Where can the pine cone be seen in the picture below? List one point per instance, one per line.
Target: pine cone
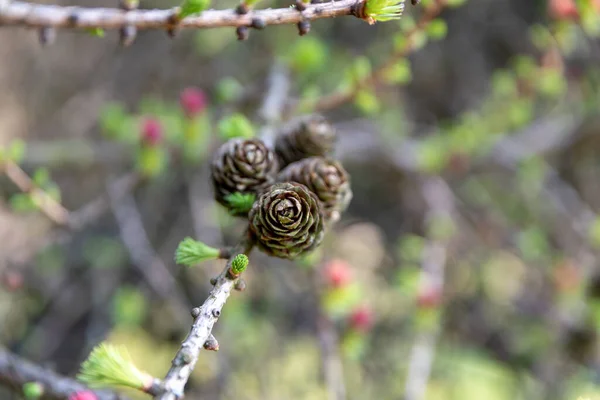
(324, 177)
(303, 137)
(244, 166)
(286, 220)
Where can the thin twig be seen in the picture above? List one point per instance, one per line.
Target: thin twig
(205, 317)
(16, 371)
(440, 201)
(50, 207)
(37, 15)
(144, 258)
(376, 78)
(332, 362)
(271, 111)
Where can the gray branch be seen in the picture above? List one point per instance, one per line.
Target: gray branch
(38, 15)
(205, 318)
(440, 200)
(16, 371)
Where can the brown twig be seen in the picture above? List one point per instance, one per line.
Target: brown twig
(144, 258)
(37, 15)
(376, 78)
(16, 371)
(205, 317)
(50, 207)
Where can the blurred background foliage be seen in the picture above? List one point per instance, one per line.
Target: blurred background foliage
(499, 98)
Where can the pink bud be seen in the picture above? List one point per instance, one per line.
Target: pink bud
(337, 273)
(361, 318)
(151, 131)
(193, 101)
(563, 9)
(83, 395)
(12, 280)
(429, 296)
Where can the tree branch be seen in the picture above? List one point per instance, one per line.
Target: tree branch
(37, 15)
(205, 317)
(50, 207)
(377, 77)
(440, 200)
(16, 371)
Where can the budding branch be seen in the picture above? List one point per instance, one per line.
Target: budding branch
(204, 319)
(37, 15)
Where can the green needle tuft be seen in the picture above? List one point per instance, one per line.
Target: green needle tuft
(191, 252)
(383, 10)
(240, 203)
(110, 366)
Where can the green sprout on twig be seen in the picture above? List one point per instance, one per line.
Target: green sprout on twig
(110, 366)
(191, 252)
(239, 264)
(240, 203)
(191, 7)
(381, 10)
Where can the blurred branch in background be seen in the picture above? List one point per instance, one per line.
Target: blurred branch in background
(16, 372)
(153, 269)
(440, 202)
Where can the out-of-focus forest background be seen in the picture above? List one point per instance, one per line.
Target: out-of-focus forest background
(471, 241)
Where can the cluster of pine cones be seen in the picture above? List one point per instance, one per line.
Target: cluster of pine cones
(298, 189)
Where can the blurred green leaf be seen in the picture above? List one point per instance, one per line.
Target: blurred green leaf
(338, 302)
(432, 155)
(354, 345)
(129, 306)
(104, 252)
(504, 84)
(410, 247)
(97, 32)
(191, 7)
(367, 102)
(151, 161)
(399, 73)
(22, 202)
(41, 176)
(525, 67)
(236, 126)
(16, 150)
(437, 29)
(594, 232)
(551, 83)
(455, 3)
(229, 90)
(308, 55)
(533, 243)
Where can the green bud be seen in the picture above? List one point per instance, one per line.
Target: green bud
(191, 252)
(239, 264)
(33, 390)
(111, 366)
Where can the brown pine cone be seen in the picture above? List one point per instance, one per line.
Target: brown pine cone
(303, 137)
(286, 220)
(243, 166)
(324, 177)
